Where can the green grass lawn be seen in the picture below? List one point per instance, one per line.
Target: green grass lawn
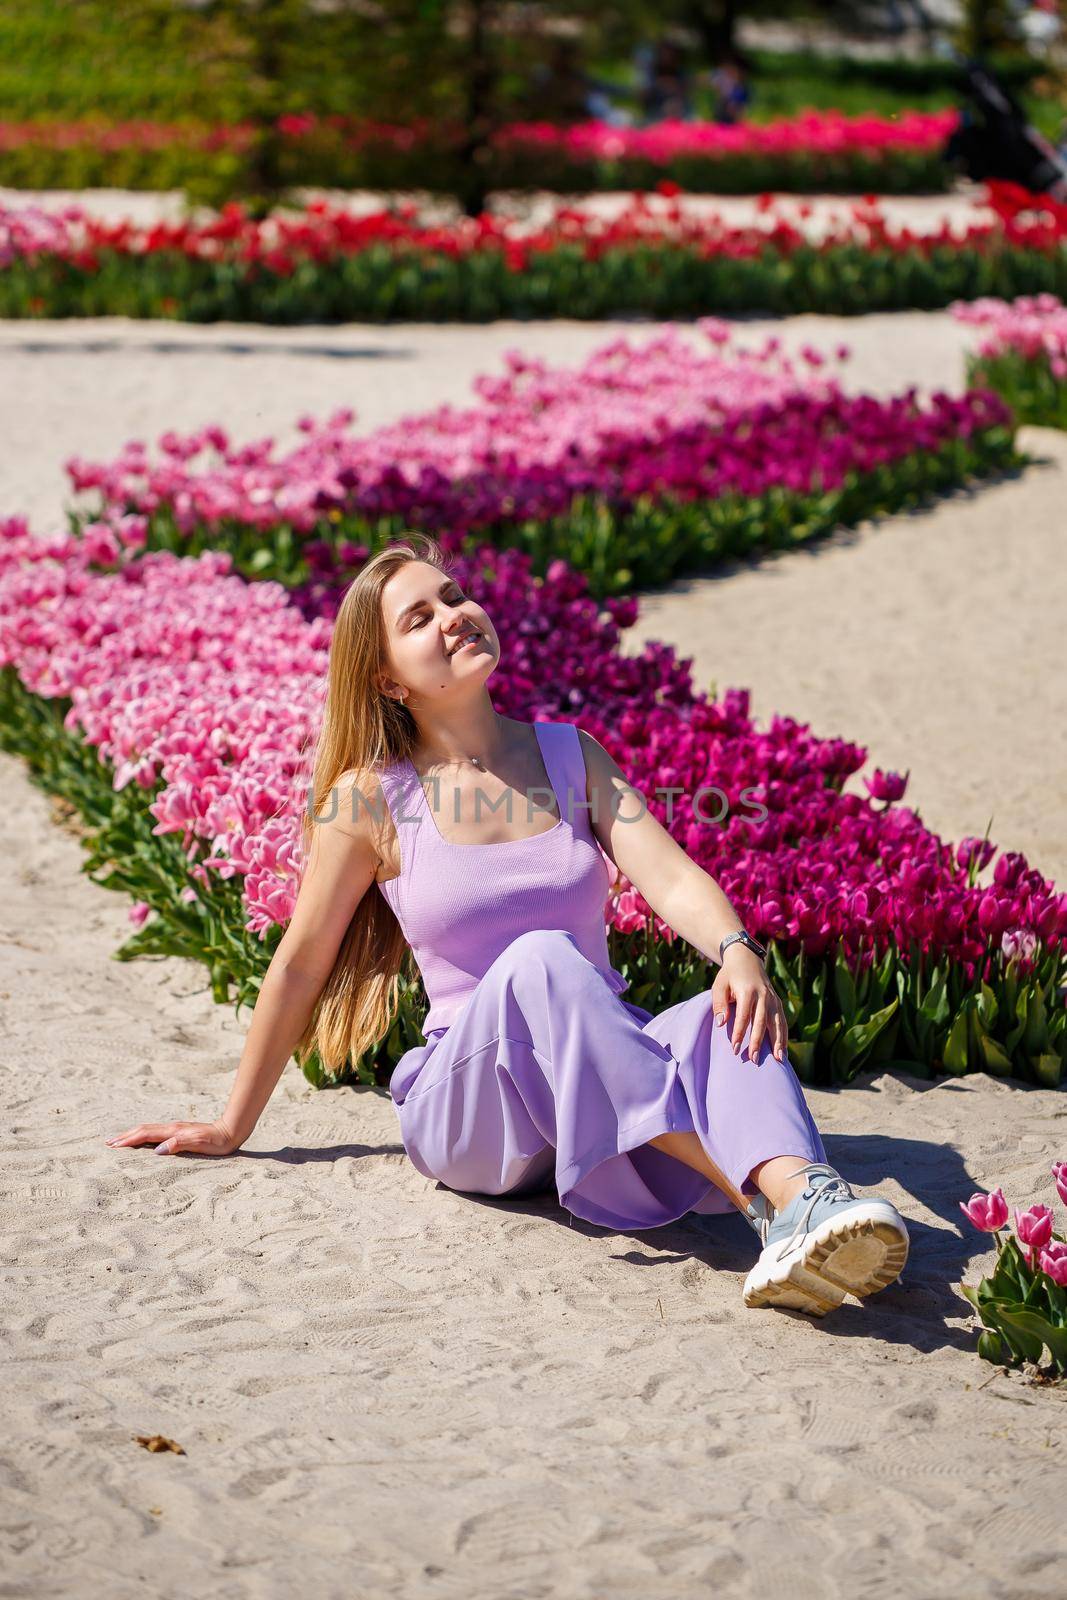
(68, 59)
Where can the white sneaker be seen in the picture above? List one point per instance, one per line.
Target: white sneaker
(826, 1243)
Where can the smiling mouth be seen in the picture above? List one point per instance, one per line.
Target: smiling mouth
(468, 638)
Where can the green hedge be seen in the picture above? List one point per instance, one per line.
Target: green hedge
(384, 283)
(211, 177)
(1029, 386)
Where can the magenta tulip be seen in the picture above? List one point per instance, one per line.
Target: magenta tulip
(886, 786)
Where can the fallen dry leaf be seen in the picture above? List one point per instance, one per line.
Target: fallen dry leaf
(158, 1441)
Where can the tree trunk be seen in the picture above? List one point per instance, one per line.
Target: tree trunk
(715, 22)
(264, 159)
(475, 152)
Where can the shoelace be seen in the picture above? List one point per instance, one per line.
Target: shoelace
(834, 1185)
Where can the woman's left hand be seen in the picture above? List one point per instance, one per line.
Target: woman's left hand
(743, 982)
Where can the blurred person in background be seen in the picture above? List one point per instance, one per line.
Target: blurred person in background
(664, 90)
(562, 90)
(729, 85)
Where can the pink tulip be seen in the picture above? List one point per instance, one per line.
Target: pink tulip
(989, 1212)
(1059, 1173)
(139, 912)
(1053, 1261)
(1034, 1228)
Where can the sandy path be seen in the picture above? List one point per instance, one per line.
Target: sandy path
(387, 1388)
(384, 1387)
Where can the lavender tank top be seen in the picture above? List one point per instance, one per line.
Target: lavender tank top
(460, 905)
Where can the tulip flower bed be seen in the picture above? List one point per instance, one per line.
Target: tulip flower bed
(173, 704)
(813, 151)
(646, 461)
(1023, 355)
(1023, 1303)
(324, 264)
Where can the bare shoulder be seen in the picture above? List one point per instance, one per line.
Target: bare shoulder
(357, 804)
(599, 765)
(343, 860)
(606, 785)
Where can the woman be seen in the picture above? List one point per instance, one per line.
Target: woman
(534, 1069)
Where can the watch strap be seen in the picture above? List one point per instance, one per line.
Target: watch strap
(741, 937)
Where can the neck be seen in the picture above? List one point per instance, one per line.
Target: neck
(475, 734)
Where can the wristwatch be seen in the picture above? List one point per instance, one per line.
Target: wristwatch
(741, 937)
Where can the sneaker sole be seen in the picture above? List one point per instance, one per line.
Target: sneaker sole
(857, 1254)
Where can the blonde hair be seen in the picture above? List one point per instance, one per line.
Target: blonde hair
(362, 728)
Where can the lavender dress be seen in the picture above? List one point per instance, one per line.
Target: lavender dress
(534, 1067)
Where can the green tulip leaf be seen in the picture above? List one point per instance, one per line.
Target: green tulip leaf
(1035, 1038)
(1022, 1343)
(852, 1046)
(996, 1062)
(990, 1347)
(1025, 1320)
(1048, 1069)
(956, 1055)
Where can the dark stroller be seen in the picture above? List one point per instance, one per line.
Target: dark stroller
(994, 140)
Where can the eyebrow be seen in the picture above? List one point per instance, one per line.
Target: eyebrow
(415, 604)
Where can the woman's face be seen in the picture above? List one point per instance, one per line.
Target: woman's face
(426, 616)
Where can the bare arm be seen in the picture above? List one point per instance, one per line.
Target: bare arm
(342, 861)
(681, 893)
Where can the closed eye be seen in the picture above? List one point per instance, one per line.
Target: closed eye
(423, 616)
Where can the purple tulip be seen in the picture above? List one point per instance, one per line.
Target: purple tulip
(888, 786)
(973, 850)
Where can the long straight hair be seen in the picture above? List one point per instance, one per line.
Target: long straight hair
(362, 728)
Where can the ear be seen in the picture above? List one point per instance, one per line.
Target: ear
(390, 687)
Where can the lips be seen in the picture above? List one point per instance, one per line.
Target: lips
(465, 638)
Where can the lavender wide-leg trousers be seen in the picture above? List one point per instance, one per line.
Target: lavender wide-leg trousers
(548, 1073)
